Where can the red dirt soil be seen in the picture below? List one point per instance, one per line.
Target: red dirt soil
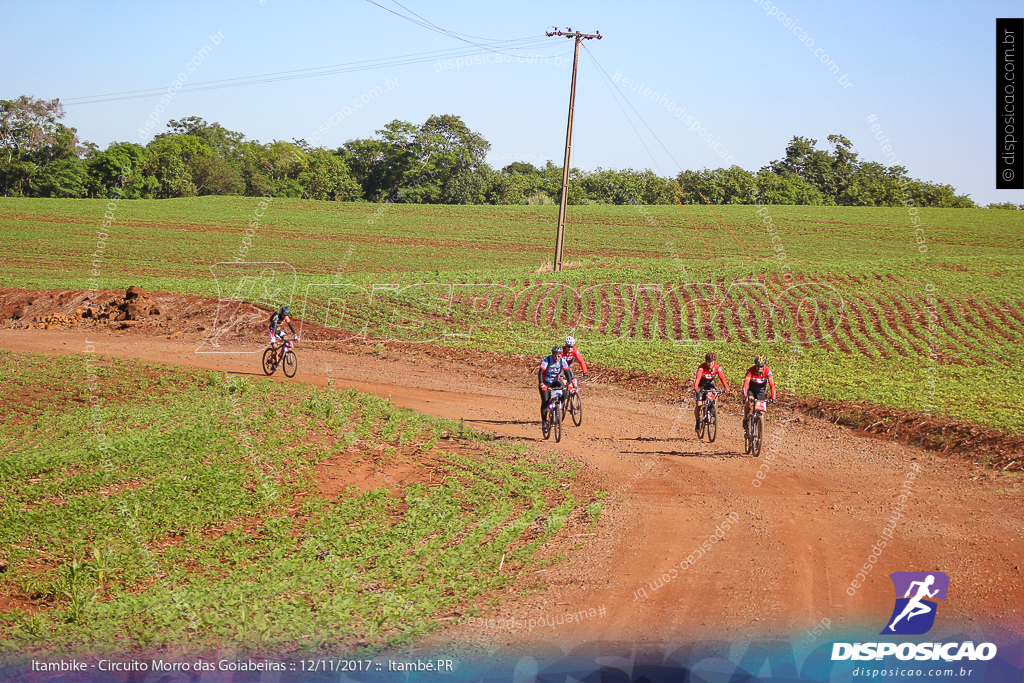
(801, 537)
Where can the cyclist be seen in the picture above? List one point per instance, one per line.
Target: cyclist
(276, 320)
(705, 382)
(571, 353)
(549, 376)
(758, 379)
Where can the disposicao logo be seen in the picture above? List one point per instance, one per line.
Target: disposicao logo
(915, 614)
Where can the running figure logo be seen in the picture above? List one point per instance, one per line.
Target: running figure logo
(926, 587)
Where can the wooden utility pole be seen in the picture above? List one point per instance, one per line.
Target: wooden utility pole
(580, 37)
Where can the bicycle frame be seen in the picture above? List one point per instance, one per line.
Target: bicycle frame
(280, 350)
(556, 399)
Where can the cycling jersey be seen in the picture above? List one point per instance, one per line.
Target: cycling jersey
(758, 377)
(758, 381)
(553, 370)
(706, 377)
(573, 353)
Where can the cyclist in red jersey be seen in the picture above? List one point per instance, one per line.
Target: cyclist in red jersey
(758, 380)
(571, 353)
(704, 382)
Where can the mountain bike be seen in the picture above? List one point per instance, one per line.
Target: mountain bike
(282, 354)
(755, 428)
(708, 420)
(574, 404)
(553, 423)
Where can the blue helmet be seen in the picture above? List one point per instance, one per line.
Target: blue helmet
(284, 310)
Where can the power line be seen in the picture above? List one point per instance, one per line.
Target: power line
(615, 98)
(638, 115)
(423, 23)
(453, 34)
(349, 67)
(721, 219)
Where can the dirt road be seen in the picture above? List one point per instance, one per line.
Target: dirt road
(793, 545)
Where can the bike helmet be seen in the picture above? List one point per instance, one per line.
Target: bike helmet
(760, 361)
(284, 310)
(570, 341)
(556, 351)
(710, 357)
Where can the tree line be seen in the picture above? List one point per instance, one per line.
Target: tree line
(440, 161)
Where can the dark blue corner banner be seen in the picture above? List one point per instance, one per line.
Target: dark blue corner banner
(1009, 154)
(842, 657)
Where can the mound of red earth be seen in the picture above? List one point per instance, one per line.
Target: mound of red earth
(134, 307)
(131, 309)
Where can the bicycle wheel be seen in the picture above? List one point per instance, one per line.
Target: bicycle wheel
(545, 426)
(291, 364)
(712, 423)
(701, 423)
(557, 426)
(755, 439)
(268, 361)
(576, 408)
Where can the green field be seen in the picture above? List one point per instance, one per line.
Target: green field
(868, 340)
(203, 523)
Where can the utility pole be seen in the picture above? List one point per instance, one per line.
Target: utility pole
(580, 37)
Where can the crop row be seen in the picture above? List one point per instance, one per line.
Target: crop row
(877, 318)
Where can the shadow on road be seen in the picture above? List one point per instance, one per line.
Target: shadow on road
(686, 454)
(505, 422)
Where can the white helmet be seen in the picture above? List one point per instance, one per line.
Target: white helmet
(570, 341)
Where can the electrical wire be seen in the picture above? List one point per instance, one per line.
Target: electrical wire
(722, 219)
(615, 98)
(349, 67)
(637, 113)
(680, 168)
(423, 23)
(451, 33)
(694, 226)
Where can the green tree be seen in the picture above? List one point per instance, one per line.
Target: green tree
(440, 162)
(844, 168)
(515, 184)
(213, 175)
(171, 162)
(272, 169)
(326, 177)
(64, 178)
(813, 165)
(32, 138)
(127, 159)
(788, 188)
(454, 157)
(731, 185)
(226, 144)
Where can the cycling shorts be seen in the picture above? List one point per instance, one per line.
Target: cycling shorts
(703, 388)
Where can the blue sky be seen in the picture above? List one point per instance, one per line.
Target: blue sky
(925, 69)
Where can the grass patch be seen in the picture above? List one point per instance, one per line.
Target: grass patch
(181, 533)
